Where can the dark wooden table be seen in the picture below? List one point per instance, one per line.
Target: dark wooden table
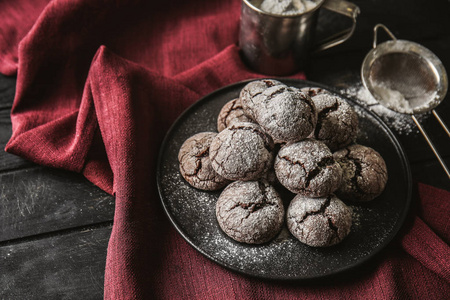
(55, 225)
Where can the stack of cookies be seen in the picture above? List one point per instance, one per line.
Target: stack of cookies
(299, 139)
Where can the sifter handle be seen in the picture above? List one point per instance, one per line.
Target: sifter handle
(441, 122)
(441, 161)
(375, 33)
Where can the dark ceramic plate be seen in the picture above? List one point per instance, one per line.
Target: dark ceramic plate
(192, 211)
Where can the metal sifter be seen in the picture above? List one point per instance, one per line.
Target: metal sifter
(407, 78)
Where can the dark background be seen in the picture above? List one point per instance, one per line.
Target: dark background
(55, 225)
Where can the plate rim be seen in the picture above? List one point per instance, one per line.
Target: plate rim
(395, 230)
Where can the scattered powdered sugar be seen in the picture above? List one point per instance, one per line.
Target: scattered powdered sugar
(260, 259)
(356, 216)
(401, 123)
(182, 198)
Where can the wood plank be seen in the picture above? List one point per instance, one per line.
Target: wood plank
(68, 266)
(9, 161)
(7, 90)
(39, 200)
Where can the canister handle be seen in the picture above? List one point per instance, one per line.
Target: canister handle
(347, 9)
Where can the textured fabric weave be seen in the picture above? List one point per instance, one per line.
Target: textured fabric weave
(98, 85)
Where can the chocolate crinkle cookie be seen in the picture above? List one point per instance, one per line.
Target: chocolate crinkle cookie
(270, 177)
(253, 89)
(242, 151)
(250, 211)
(308, 168)
(337, 121)
(364, 173)
(314, 91)
(195, 165)
(319, 222)
(285, 113)
(231, 112)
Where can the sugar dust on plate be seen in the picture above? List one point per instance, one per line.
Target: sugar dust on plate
(401, 123)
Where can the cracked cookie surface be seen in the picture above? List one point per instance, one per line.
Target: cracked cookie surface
(337, 121)
(285, 113)
(241, 151)
(195, 165)
(308, 167)
(250, 212)
(319, 222)
(314, 91)
(231, 112)
(364, 173)
(249, 92)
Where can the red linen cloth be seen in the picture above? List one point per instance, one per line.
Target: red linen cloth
(98, 85)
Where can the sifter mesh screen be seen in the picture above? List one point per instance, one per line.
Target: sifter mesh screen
(407, 73)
